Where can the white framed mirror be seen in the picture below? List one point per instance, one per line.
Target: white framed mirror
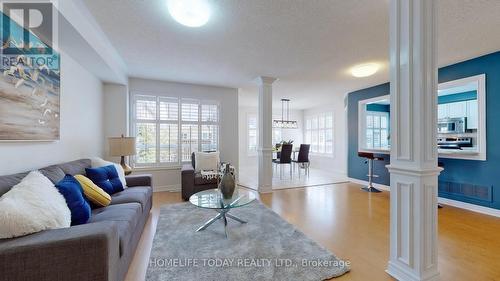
(374, 132)
(462, 118)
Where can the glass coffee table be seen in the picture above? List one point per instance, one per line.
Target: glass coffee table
(212, 199)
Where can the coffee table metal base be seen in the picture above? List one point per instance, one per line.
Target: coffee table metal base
(223, 214)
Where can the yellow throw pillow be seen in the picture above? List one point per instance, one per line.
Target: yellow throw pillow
(94, 193)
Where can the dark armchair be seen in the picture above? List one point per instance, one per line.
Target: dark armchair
(192, 181)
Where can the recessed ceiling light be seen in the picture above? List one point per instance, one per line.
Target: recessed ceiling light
(192, 13)
(365, 70)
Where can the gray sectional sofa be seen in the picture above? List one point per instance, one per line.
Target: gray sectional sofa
(102, 249)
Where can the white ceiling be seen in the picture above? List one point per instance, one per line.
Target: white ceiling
(309, 45)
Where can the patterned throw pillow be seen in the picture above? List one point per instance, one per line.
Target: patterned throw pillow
(93, 193)
(72, 191)
(106, 178)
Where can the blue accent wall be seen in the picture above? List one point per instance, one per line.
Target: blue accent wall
(465, 96)
(356, 167)
(475, 182)
(378, 107)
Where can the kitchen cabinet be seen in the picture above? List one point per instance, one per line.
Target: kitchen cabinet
(442, 111)
(461, 109)
(452, 110)
(457, 109)
(472, 114)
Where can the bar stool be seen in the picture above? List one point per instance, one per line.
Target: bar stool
(370, 157)
(441, 165)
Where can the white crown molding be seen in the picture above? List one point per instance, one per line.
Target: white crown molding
(261, 80)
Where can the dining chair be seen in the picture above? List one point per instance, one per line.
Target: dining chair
(285, 158)
(303, 158)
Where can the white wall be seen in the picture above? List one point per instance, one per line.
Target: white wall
(115, 118)
(81, 125)
(169, 178)
(337, 163)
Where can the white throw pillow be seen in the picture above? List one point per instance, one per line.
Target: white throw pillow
(31, 206)
(206, 161)
(97, 162)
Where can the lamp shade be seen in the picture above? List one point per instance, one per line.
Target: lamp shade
(121, 146)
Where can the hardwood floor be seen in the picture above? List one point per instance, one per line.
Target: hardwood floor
(355, 226)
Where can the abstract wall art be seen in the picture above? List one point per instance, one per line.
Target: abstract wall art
(29, 87)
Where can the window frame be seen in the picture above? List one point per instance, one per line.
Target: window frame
(135, 96)
(316, 126)
(276, 134)
(252, 152)
(379, 129)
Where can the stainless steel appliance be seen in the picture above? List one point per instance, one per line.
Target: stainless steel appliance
(452, 125)
(454, 143)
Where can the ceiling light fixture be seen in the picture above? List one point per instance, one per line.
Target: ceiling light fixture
(192, 13)
(365, 70)
(285, 124)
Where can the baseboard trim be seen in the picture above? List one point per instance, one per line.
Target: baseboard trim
(376, 185)
(470, 207)
(445, 201)
(167, 188)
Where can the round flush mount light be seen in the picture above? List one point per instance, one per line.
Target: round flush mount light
(365, 70)
(192, 13)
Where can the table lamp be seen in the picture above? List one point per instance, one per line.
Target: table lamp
(122, 146)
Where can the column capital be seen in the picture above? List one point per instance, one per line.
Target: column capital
(261, 80)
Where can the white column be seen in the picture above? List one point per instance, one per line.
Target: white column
(265, 149)
(413, 168)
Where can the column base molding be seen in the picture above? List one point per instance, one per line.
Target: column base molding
(265, 170)
(402, 170)
(400, 273)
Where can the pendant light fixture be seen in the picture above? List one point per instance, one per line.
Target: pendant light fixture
(285, 123)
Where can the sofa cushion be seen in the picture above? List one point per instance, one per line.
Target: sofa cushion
(93, 193)
(53, 173)
(206, 161)
(126, 216)
(106, 178)
(71, 168)
(137, 194)
(7, 182)
(31, 206)
(76, 167)
(72, 191)
(199, 180)
(97, 162)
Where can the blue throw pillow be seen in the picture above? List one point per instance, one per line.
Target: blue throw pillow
(72, 191)
(106, 178)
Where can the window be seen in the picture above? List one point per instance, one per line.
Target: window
(377, 130)
(319, 133)
(169, 129)
(253, 134)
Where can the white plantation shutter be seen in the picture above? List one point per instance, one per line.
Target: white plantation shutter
(169, 109)
(145, 108)
(169, 149)
(252, 134)
(189, 139)
(209, 137)
(209, 113)
(377, 130)
(146, 143)
(189, 111)
(169, 129)
(319, 133)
